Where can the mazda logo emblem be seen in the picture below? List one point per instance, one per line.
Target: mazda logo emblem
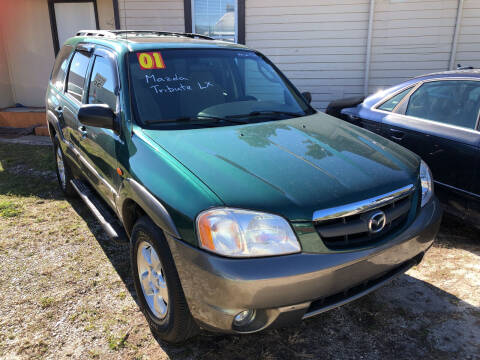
(377, 222)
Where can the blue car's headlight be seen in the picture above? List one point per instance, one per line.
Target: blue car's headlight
(426, 180)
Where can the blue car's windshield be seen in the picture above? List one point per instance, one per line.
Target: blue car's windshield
(202, 86)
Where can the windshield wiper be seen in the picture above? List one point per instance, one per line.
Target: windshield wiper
(197, 118)
(266, 112)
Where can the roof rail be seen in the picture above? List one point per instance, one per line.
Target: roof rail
(103, 33)
(117, 33)
(460, 67)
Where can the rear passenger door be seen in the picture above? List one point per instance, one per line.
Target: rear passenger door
(438, 121)
(74, 93)
(72, 100)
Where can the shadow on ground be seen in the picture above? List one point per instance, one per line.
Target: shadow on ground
(408, 318)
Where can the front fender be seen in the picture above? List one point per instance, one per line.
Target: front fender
(168, 192)
(132, 190)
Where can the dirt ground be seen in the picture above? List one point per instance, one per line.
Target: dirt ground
(66, 291)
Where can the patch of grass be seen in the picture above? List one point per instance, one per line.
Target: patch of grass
(117, 342)
(17, 164)
(46, 302)
(32, 156)
(9, 209)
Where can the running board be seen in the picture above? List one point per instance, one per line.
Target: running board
(100, 210)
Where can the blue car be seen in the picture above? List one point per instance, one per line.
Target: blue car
(437, 117)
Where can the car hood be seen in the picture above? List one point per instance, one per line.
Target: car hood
(291, 167)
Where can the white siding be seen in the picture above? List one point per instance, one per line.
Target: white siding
(468, 48)
(164, 15)
(410, 38)
(320, 45)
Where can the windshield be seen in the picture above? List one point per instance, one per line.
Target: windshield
(204, 86)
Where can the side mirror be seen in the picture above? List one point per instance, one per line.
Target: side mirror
(98, 115)
(307, 96)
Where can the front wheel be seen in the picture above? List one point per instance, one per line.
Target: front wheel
(158, 287)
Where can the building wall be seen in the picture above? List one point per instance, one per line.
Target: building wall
(26, 33)
(106, 17)
(468, 48)
(6, 97)
(320, 45)
(26, 54)
(410, 38)
(166, 15)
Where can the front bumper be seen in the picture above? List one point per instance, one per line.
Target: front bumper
(286, 289)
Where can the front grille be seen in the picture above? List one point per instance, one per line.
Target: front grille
(353, 231)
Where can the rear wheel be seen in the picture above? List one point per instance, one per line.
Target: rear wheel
(63, 170)
(158, 287)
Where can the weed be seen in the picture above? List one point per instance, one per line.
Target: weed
(46, 302)
(9, 209)
(117, 342)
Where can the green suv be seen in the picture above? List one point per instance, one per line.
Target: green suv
(244, 207)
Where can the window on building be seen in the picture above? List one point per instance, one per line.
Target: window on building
(60, 67)
(455, 102)
(76, 75)
(101, 89)
(215, 18)
(390, 104)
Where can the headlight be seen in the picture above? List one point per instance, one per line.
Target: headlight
(243, 233)
(426, 180)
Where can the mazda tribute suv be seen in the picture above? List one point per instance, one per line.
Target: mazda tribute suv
(244, 208)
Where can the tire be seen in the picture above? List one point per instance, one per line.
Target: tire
(64, 174)
(170, 320)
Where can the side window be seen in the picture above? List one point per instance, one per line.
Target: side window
(391, 103)
(60, 67)
(101, 89)
(76, 75)
(454, 102)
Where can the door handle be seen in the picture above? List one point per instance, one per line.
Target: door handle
(83, 131)
(436, 150)
(59, 112)
(396, 134)
(354, 118)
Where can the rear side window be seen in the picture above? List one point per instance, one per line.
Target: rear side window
(101, 89)
(390, 104)
(454, 102)
(76, 75)
(60, 67)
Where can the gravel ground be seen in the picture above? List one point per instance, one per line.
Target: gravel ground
(66, 292)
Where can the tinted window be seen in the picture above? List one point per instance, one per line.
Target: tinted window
(172, 85)
(76, 75)
(390, 104)
(455, 102)
(102, 85)
(60, 67)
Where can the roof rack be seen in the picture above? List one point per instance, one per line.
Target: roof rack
(118, 33)
(460, 67)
